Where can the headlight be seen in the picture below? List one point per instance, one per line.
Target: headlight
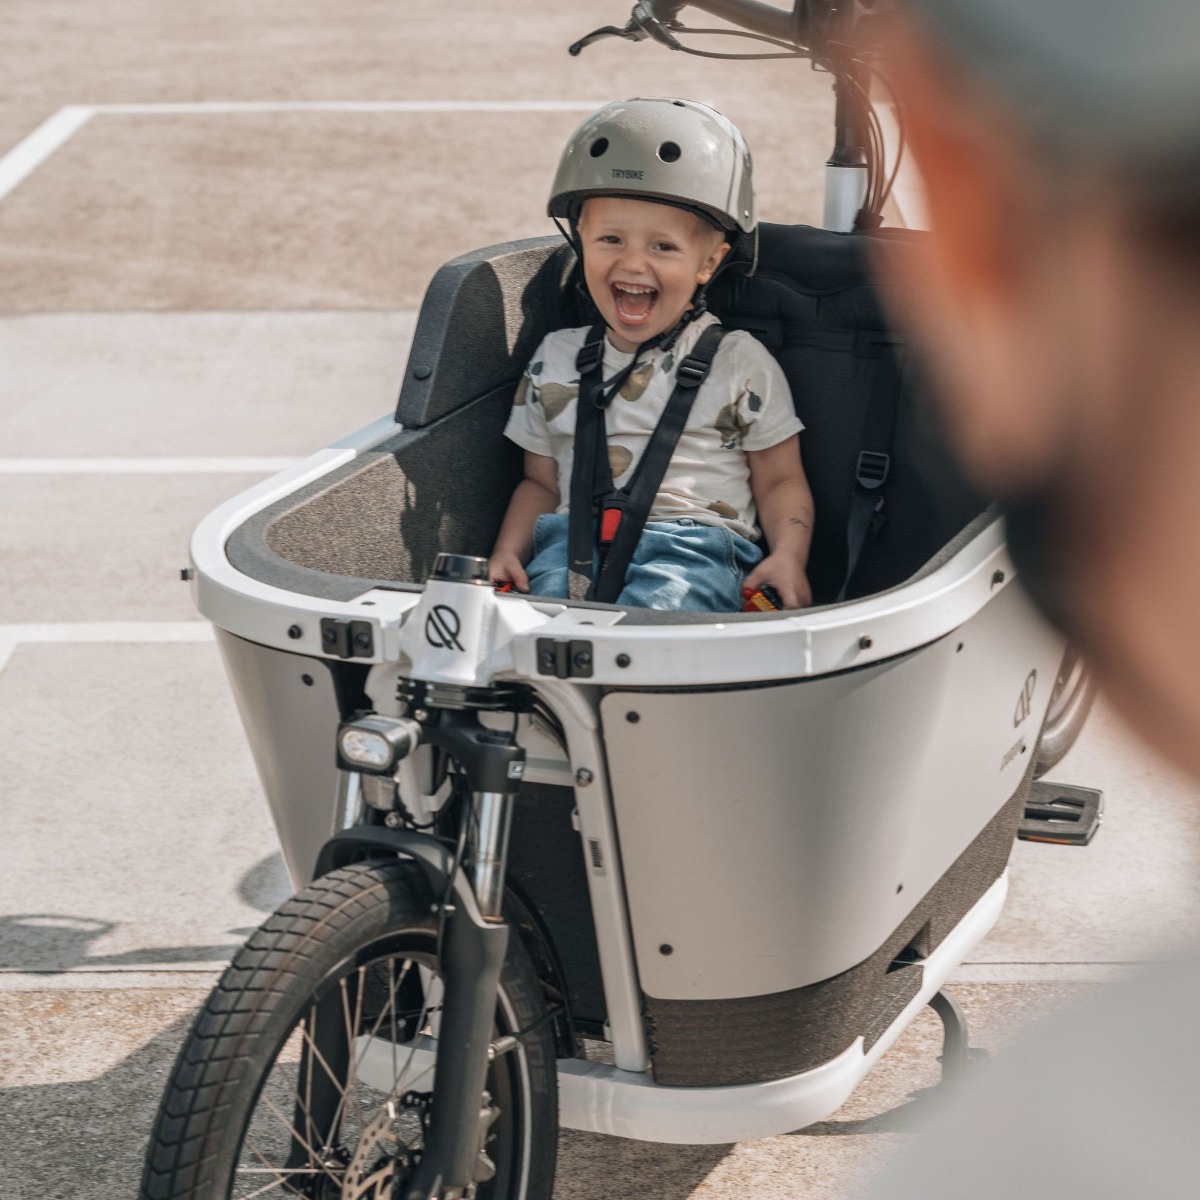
(376, 744)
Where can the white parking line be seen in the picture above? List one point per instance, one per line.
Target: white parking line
(1043, 972)
(178, 976)
(202, 975)
(92, 632)
(144, 466)
(217, 107)
(33, 150)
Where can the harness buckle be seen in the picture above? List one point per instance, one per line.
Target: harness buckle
(873, 469)
(692, 372)
(589, 356)
(612, 511)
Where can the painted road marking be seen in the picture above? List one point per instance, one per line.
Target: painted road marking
(33, 150)
(29, 153)
(92, 632)
(145, 466)
(203, 974)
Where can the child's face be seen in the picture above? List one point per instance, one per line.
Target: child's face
(642, 262)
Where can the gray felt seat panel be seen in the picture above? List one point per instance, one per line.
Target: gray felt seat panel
(481, 320)
(443, 482)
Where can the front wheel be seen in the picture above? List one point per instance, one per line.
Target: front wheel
(310, 1070)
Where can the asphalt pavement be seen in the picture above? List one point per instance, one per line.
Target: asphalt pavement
(191, 297)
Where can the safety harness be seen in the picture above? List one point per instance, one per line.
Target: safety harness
(600, 511)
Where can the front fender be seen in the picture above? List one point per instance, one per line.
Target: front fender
(434, 859)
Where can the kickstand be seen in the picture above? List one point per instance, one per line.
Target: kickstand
(957, 1052)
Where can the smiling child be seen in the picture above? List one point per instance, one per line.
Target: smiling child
(658, 193)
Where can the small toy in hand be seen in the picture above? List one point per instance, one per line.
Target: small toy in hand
(505, 585)
(763, 599)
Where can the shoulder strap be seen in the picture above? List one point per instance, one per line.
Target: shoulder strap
(874, 465)
(590, 444)
(648, 476)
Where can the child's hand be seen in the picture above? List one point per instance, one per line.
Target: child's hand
(785, 574)
(506, 567)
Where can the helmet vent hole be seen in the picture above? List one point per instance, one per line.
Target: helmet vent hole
(598, 147)
(669, 152)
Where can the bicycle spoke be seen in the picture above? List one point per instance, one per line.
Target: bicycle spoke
(351, 1073)
(312, 1045)
(426, 1009)
(312, 1154)
(262, 1191)
(391, 1004)
(392, 1009)
(309, 1127)
(284, 1172)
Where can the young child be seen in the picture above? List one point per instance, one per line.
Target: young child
(658, 196)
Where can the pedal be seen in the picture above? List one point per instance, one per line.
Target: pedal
(1061, 814)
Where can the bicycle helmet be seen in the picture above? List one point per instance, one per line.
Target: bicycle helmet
(674, 151)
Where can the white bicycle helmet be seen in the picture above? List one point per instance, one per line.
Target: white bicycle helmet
(675, 151)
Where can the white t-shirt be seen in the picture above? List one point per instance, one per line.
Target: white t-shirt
(744, 404)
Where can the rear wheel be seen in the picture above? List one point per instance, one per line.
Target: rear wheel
(310, 1070)
(1070, 702)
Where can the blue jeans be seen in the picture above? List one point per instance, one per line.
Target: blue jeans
(677, 565)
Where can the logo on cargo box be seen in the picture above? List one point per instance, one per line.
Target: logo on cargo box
(1025, 699)
(442, 626)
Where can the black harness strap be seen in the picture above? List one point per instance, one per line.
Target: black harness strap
(624, 511)
(866, 517)
(591, 443)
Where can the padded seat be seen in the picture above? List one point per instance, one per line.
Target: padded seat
(816, 303)
(444, 481)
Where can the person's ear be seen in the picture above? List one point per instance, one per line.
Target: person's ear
(712, 262)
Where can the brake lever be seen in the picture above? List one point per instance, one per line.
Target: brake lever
(631, 31)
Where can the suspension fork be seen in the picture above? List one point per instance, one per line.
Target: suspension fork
(473, 951)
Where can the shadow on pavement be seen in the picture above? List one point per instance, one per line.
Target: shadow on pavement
(52, 942)
(47, 943)
(59, 1141)
(85, 1138)
(266, 885)
(594, 1167)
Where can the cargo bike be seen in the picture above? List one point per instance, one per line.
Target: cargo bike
(677, 877)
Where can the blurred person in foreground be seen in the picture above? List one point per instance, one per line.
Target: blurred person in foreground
(1059, 312)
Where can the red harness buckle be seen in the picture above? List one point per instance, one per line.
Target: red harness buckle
(610, 522)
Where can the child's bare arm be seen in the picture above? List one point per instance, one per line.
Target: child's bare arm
(785, 511)
(537, 493)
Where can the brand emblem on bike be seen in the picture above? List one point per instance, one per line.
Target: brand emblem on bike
(1025, 699)
(442, 626)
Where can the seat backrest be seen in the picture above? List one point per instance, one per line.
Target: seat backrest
(815, 302)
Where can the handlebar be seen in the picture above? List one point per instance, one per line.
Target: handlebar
(656, 18)
(782, 24)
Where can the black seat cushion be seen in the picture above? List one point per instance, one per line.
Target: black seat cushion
(815, 302)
